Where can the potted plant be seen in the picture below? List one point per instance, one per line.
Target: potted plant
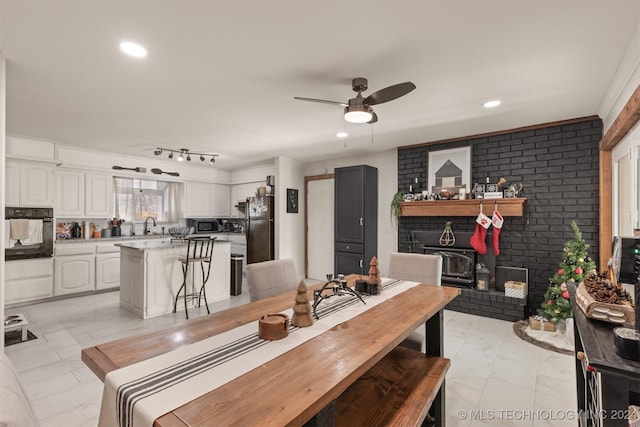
(395, 206)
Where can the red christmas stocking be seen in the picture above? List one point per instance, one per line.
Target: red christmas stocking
(478, 239)
(497, 222)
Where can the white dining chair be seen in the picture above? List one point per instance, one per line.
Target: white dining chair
(269, 278)
(421, 268)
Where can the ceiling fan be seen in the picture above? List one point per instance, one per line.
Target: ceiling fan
(358, 109)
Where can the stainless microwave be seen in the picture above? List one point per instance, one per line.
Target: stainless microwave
(203, 225)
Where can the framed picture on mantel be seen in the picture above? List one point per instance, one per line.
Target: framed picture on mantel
(449, 170)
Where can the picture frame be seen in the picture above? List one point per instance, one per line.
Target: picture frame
(449, 170)
(292, 200)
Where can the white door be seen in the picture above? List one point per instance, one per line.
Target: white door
(320, 232)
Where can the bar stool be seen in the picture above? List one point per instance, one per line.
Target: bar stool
(199, 250)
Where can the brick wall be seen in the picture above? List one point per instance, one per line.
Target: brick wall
(559, 168)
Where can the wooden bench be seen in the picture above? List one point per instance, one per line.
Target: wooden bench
(397, 391)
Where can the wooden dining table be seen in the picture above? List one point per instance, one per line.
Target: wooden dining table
(292, 388)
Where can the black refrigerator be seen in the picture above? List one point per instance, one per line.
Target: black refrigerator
(259, 228)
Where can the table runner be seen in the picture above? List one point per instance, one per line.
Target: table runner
(138, 394)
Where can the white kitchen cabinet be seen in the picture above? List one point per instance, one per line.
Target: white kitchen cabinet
(107, 267)
(198, 199)
(74, 268)
(28, 280)
(69, 193)
(74, 274)
(12, 183)
(32, 181)
(220, 200)
(98, 195)
(206, 200)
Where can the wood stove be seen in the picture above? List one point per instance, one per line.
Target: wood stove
(459, 260)
(458, 265)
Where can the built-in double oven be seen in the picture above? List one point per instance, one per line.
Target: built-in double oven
(28, 233)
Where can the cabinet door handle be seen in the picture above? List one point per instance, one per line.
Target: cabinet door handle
(361, 221)
(360, 263)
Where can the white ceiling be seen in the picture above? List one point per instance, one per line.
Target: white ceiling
(220, 76)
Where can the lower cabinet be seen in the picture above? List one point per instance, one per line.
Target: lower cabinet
(107, 267)
(73, 274)
(28, 280)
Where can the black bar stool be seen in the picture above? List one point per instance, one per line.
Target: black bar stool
(199, 250)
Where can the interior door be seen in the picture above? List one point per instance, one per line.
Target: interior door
(319, 211)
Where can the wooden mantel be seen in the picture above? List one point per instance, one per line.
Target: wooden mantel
(467, 207)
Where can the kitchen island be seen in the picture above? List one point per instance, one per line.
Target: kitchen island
(150, 276)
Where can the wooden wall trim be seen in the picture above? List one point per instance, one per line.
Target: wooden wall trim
(306, 218)
(606, 227)
(502, 132)
(627, 119)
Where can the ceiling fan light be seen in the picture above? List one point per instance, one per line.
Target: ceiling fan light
(357, 114)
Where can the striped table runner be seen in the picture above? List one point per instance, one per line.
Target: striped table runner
(138, 394)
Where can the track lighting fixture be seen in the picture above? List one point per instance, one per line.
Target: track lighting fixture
(184, 153)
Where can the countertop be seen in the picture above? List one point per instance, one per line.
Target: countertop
(145, 246)
(138, 237)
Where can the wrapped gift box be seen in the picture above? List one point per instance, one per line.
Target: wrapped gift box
(515, 289)
(538, 323)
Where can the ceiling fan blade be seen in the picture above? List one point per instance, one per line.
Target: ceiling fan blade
(374, 118)
(389, 93)
(322, 101)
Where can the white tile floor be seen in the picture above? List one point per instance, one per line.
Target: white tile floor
(495, 378)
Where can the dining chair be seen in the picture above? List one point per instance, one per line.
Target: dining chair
(421, 268)
(269, 278)
(199, 251)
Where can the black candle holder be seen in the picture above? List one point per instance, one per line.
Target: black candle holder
(338, 287)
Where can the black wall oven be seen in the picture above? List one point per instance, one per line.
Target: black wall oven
(28, 233)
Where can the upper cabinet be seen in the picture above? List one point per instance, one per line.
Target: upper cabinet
(98, 199)
(29, 184)
(69, 193)
(206, 200)
(84, 194)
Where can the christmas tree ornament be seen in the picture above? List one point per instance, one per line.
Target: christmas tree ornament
(496, 221)
(578, 270)
(477, 241)
(302, 308)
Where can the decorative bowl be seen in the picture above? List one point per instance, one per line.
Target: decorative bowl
(179, 231)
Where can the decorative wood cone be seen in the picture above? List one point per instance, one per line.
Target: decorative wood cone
(374, 273)
(302, 308)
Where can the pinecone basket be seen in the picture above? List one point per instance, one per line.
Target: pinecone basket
(613, 313)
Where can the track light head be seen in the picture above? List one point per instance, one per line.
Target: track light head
(171, 155)
(213, 160)
(157, 151)
(201, 158)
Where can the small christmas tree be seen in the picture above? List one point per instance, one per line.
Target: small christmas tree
(575, 265)
(302, 308)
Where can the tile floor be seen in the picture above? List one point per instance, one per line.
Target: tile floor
(495, 379)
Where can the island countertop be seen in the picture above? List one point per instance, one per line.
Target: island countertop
(152, 245)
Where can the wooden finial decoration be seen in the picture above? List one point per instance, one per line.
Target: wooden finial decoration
(374, 274)
(302, 308)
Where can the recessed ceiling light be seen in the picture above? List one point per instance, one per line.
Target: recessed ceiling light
(342, 134)
(133, 49)
(491, 104)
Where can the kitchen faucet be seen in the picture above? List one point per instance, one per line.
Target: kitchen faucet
(146, 224)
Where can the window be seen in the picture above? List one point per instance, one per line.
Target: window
(137, 199)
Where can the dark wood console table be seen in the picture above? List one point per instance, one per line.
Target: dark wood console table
(606, 383)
